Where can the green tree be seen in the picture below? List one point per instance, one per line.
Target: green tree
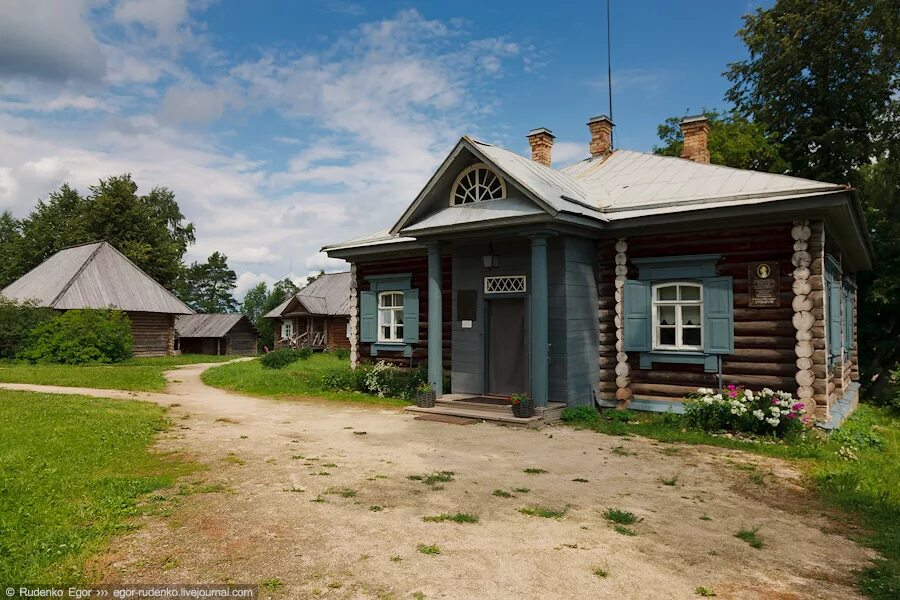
(148, 229)
(820, 78)
(733, 141)
(259, 300)
(10, 249)
(879, 290)
(208, 287)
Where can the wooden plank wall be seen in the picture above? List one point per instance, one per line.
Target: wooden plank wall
(154, 333)
(337, 333)
(418, 267)
(764, 337)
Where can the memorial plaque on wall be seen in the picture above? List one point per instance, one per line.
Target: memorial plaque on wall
(764, 278)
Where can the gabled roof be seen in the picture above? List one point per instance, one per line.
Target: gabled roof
(328, 295)
(208, 326)
(596, 192)
(94, 275)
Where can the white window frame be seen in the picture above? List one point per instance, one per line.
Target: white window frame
(678, 304)
(506, 284)
(393, 338)
(287, 328)
(480, 192)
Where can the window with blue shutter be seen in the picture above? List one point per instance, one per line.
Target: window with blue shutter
(399, 319)
(849, 301)
(665, 328)
(833, 301)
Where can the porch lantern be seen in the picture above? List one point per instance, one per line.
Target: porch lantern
(490, 259)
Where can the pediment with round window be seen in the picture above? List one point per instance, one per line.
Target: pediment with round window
(477, 183)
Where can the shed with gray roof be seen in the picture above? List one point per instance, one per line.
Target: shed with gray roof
(98, 276)
(216, 334)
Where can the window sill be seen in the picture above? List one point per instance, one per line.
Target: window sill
(377, 347)
(710, 362)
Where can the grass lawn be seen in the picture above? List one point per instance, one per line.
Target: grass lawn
(855, 469)
(300, 379)
(136, 374)
(73, 471)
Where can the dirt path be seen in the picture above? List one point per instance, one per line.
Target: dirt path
(315, 499)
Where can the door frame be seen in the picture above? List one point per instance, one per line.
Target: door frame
(526, 329)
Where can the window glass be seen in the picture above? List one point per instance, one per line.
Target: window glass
(390, 317)
(678, 316)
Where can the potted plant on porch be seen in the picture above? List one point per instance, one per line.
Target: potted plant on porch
(425, 397)
(522, 405)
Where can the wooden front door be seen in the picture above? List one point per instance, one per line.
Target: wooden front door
(506, 347)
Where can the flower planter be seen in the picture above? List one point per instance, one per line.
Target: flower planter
(524, 408)
(426, 399)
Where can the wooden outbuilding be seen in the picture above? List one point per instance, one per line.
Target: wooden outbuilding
(317, 317)
(98, 276)
(216, 334)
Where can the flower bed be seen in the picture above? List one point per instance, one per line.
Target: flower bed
(737, 409)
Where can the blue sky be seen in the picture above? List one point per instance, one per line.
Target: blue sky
(284, 126)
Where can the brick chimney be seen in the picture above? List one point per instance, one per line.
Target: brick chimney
(541, 140)
(601, 135)
(696, 138)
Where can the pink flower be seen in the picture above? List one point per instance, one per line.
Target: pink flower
(731, 387)
(798, 406)
(775, 401)
(792, 415)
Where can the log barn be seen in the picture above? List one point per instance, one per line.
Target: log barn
(97, 275)
(626, 279)
(220, 334)
(317, 317)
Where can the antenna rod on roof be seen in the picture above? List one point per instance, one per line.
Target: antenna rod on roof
(609, 68)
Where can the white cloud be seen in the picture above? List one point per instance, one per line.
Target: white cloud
(50, 40)
(248, 279)
(365, 123)
(566, 153)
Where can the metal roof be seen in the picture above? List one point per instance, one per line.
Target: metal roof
(94, 275)
(207, 326)
(623, 185)
(627, 180)
(328, 295)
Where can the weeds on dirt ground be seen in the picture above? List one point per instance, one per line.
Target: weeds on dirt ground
(534, 471)
(543, 511)
(622, 517)
(456, 518)
(751, 537)
(426, 549)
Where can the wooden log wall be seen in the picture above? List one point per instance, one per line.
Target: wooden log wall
(764, 338)
(418, 267)
(336, 330)
(816, 248)
(154, 333)
(241, 340)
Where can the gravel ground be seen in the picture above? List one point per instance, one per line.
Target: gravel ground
(314, 499)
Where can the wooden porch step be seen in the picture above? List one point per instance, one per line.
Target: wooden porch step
(477, 414)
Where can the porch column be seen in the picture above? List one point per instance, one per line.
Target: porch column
(539, 321)
(435, 326)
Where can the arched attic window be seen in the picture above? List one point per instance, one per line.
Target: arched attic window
(475, 184)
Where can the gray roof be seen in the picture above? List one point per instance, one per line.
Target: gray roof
(94, 275)
(327, 295)
(206, 325)
(620, 186)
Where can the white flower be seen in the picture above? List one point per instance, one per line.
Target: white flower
(773, 422)
(704, 391)
(718, 397)
(775, 411)
(759, 414)
(748, 394)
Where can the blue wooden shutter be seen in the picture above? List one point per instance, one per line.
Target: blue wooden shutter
(833, 335)
(368, 317)
(718, 315)
(636, 316)
(411, 316)
(848, 319)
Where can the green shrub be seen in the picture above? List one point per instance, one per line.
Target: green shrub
(619, 415)
(737, 409)
(342, 354)
(388, 381)
(81, 336)
(282, 357)
(17, 321)
(344, 379)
